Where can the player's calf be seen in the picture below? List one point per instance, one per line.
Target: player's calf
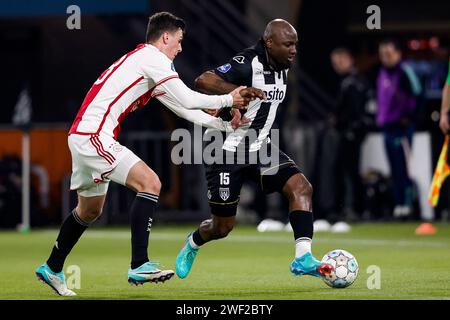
(215, 228)
(221, 232)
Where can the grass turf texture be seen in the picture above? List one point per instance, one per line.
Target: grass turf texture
(245, 265)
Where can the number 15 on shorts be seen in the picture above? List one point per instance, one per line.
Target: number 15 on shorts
(224, 178)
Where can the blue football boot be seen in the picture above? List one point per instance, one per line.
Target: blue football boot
(185, 259)
(56, 281)
(309, 265)
(148, 272)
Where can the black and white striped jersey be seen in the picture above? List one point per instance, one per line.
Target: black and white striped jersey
(250, 68)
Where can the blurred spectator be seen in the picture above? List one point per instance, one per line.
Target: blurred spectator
(351, 122)
(397, 89)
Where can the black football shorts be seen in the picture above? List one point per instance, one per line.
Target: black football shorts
(225, 180)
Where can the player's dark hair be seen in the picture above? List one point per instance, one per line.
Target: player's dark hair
(162, 22)
(392, 42)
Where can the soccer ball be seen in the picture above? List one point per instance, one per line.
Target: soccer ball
(345, 268)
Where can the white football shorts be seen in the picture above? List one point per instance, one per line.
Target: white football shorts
(96, 160)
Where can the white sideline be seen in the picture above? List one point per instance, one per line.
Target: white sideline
(120, 235)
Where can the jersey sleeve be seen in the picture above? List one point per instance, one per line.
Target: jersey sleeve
(197, 116)
(238, 70)
(173, 92)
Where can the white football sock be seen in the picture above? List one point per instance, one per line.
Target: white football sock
(302, 246)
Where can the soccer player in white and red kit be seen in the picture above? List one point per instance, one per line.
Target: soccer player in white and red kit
(97, 158)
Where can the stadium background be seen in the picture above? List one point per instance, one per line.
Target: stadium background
(52, 67)
(57, 66)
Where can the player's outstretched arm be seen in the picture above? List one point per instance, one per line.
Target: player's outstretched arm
(211, 83)
(196, 116)
(182, 96)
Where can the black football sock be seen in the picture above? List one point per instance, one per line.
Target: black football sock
(197, 238)
(141, 215)
(302, 224)
(71, 230)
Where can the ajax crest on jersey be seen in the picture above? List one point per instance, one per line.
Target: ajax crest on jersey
(345, 268)
(224, 193)
(225, 68)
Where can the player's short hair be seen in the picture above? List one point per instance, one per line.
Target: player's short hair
(392, 42)
(162, 22)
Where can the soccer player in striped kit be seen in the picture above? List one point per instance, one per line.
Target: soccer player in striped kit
(263, 66)
(97, 158)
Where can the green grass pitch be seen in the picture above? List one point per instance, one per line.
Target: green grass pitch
(246, 265)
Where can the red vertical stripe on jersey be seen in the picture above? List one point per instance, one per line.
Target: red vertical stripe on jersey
(95, 89)
(115, 100)
(139, 102)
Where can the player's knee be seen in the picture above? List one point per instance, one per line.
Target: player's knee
(89, 215)
(149, 183)
(306, 188)
(301, 190)
(156, 185)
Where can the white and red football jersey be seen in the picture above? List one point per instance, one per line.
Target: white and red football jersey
(130, 82)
